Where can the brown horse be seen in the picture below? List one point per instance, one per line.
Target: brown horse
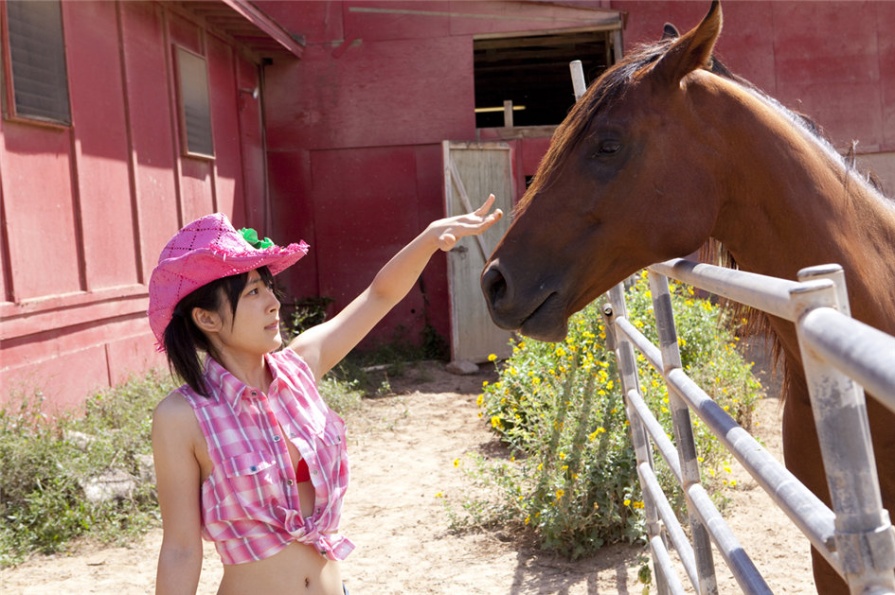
(661, 155)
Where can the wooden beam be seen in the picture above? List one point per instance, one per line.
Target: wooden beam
(263, 22)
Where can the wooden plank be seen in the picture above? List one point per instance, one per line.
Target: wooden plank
(472, 171)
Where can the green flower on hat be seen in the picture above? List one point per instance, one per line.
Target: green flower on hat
(251, 236)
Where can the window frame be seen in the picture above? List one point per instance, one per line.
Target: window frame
(186, 149)
(10, 107)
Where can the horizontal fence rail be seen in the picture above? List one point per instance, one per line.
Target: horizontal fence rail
(842, 358)
(858, 350)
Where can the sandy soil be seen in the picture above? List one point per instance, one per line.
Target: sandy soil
(403, 447)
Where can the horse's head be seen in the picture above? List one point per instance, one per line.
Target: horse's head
(624, 184)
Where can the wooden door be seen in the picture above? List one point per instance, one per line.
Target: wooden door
(471, 172)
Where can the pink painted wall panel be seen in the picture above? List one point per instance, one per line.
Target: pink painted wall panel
(826, 59)
(185, 33)
(381, 20)
(5, 290)
(531, 151)
(375, 93)
(254, 208)
(129, 354)
(318, 22)
(224, 123)
(827, 66)
(196, 188)
(54, 379)
(364, 205)
(150, 113)
(39, 210)
(365, 210)
(292, 215)
(470, 18)
(885, 18)
(122, 158)
(101, 147)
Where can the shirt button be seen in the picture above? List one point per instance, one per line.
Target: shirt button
(290, 482)
(276, 438)
(253, 468)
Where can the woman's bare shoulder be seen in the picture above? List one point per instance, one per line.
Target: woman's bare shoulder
(173, 414)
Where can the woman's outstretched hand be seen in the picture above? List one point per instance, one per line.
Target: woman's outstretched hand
(451, 229)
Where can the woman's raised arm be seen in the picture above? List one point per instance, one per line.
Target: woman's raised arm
(324, 345)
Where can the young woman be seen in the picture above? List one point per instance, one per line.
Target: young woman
(246, 452)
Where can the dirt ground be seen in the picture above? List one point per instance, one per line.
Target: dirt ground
(403, 449)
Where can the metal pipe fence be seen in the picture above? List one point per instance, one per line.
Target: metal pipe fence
(841, 357)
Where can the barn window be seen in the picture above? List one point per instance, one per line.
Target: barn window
(195, 106)
(34, 62)
(527, 78)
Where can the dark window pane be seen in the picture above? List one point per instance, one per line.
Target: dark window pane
(194, 103)
(37, 55)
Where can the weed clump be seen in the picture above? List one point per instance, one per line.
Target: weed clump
(569, 477)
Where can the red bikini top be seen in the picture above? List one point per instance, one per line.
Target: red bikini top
(302, 473)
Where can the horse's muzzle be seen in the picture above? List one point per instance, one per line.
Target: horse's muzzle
(496, 290)
(537, 314)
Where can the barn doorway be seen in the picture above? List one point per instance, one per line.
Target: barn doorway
(532, 72)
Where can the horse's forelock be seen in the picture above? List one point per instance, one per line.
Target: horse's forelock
(604, 93)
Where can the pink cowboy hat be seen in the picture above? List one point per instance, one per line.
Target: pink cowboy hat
(208, 249)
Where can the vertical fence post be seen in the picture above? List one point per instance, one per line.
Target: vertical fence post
(683, 430)
(864, 539)
(627, 369)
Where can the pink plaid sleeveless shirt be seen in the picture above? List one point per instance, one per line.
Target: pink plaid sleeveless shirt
(250, 502)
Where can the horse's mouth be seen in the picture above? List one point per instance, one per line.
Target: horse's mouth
(548, 322)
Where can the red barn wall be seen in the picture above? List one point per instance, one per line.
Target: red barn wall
(351, 144)
(833, 61)
(354, 135)
(87, 208)
(353, 127)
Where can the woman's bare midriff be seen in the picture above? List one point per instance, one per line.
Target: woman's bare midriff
(298, 569)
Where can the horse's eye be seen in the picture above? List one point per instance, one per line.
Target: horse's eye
(607, 148)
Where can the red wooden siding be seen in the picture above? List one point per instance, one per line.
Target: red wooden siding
(87, 209)
(834, 61)
(354, 135)
(348, 158)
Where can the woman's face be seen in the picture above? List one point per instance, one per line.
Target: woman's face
(255, 328)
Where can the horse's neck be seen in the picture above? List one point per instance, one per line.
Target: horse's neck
(801, 207)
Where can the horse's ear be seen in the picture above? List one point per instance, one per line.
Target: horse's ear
(670, 32)
(691, 51)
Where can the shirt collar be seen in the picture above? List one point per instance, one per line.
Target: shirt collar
(230, 388)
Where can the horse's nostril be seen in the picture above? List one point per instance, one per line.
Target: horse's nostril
(494, 285)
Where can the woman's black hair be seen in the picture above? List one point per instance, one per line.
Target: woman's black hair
(184, 340)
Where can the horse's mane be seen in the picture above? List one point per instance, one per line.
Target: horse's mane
(611, 88)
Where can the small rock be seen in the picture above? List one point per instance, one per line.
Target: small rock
(462, 368)
(146, 468)
(80, 440)
(112, 485)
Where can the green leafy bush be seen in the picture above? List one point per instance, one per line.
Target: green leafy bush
(570, 478)
(46, 464)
